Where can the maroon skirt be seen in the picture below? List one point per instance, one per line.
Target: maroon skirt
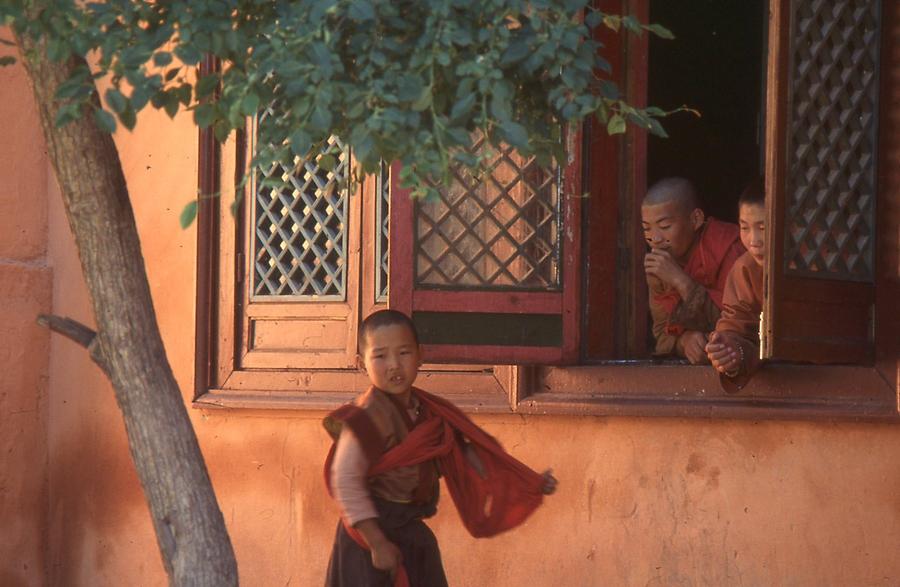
(351, 565)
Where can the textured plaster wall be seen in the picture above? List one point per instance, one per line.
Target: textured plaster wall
(25, 282)
(641, 501)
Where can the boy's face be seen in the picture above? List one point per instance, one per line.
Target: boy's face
(753, 230)
(391, 358)
(671, 227)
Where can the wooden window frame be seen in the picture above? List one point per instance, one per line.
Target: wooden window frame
(222, 274)
(624, 388)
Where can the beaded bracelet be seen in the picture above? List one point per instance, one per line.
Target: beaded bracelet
(737, 371)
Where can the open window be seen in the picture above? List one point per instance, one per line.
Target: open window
(532, 298)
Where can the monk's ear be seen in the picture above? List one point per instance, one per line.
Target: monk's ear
(697, 218)
(360, 364)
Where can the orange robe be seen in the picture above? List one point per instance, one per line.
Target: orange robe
(718, 247)
(742, 306)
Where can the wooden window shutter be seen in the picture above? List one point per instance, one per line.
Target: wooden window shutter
(300, 301)
(821, 180)
(491, 272)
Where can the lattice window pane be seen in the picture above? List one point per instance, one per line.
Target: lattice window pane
(300, 228)
(830, 213)
(382, 223)
(499, 232)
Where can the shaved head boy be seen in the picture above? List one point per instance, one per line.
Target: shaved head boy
(687, 265)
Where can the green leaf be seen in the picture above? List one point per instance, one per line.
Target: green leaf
(67, 114)
(515, 134)
(104, 120)
(321, 117)
(423, 101)
(300, 143)
(188, 54)
(250, 104)
(74, 87)
(660, 31)
(632, 24)
(593, 18)
(616, 125)
(57, 49)
(188, 213)
(206, 85)
(327, 162)
(361, 10)
(221, 130)
(612, 21)
(462, 107)
(140, 96)
(162, 58)
(204, 115)
(128, 118)
(116, 100)
(171, 104)
(516, 52)
(657, 129)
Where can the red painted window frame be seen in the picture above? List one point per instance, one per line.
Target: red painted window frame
(404, 296)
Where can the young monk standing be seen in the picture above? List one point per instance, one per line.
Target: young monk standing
(733, 348)
(390, 445)
(687, 266)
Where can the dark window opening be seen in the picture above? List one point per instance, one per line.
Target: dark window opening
(714, 65)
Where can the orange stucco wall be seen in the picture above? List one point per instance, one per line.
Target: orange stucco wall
(641, 501)
(25, 291)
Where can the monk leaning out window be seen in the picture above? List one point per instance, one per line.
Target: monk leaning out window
(733, 348)
(688, 263)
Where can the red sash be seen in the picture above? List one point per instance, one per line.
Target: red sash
(503, 499)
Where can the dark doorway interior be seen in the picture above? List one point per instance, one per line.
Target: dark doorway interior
(714, 65)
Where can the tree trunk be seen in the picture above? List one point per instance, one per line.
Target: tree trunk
(190, 529)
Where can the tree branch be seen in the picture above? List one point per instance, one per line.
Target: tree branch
(69, 328)
(77, 332)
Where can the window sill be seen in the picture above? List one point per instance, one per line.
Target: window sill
(778, 392)
(321, 401)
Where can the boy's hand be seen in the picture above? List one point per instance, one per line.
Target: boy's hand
(550, 482)
(660, 264)
(723, 355)
(385, 554)
(386, 557)
(691, 345)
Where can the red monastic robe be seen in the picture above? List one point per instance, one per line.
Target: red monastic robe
(509, 492)
(718, 247)
(742, 305)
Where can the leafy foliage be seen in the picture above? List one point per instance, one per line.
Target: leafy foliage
(407, 80)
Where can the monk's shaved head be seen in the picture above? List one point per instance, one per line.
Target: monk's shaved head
(673, 189)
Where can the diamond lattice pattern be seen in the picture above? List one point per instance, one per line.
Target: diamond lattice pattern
(834, 93)
(301, 229)
(498, 232)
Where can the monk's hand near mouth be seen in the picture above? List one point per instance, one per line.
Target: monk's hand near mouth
(691, 345)
(660, 264)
